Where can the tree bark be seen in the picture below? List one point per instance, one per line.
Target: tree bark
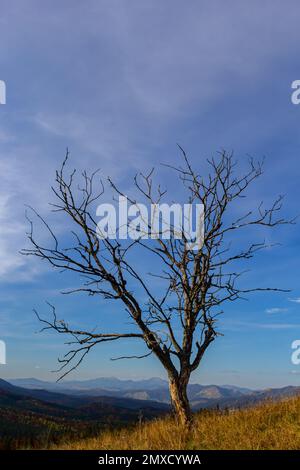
(180, 402)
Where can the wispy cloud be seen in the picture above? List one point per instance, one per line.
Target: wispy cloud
(276, 310)
(296, 300)
(243, 326)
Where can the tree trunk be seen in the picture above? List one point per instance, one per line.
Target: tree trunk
(180, 402)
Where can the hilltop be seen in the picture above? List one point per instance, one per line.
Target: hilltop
(270, 425)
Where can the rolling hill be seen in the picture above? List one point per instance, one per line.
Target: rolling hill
(38, 417)
(11, 395)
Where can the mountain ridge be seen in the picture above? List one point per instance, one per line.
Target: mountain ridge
(152, 392)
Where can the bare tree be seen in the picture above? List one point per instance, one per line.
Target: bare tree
(178, 324)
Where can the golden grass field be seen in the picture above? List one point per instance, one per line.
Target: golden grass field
(271, 425)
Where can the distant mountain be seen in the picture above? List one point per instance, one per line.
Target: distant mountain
(6, 386)
(153, 392)
(200, 395)
(154, 389)
(40, 394)
(102, 383)
(242, 390)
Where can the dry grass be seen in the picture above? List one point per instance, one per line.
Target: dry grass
(267, 426)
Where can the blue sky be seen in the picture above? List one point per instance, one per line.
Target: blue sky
(120, 83)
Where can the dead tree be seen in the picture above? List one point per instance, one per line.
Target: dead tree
(179, 323)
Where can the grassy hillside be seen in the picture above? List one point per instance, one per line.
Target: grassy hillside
(271, 425)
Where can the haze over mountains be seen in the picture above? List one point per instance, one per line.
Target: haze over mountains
(153, 392)
(105, 383)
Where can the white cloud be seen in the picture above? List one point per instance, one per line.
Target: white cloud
(276, 310)
(242, 326)
(22, 182)
(296, 300)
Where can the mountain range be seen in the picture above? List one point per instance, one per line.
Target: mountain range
(152, 391)
(39, 413)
